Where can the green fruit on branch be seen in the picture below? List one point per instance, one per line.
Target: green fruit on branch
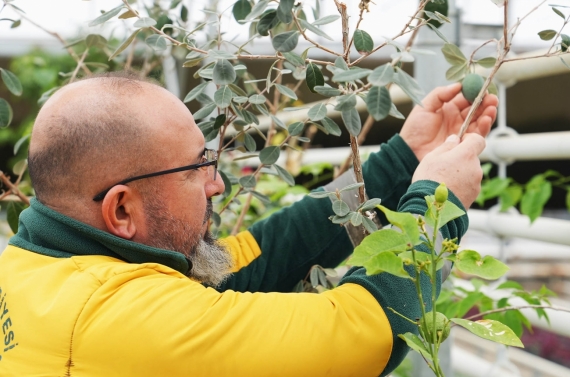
(442, 327)
(441, 193)
(439, 6)
(472, 84)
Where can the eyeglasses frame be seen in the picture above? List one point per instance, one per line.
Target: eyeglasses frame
(214, 162)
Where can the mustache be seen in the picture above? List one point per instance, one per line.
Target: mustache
(209, 210)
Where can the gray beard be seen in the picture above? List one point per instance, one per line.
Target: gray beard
(211, 261)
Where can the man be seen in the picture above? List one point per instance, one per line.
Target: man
(104, 276)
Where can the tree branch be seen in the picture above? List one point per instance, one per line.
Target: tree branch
(552, 307)
(13, 189)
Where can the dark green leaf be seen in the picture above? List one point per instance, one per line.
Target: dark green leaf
(382, 75)
(227, 183)
(538, 191)
(410, 86)
(144, 22)
(558, 12)
(314, 77)
(284, 11)
(125, 44)
(363, 42)
(568, 200)
(470, 262)
(269, 155)
(184, 15)
(11, 81)
(106, 16)
(352, 121)
(340, 208)
(490, 330)
(352, 74)
(285, 175)
(296, 128)
(285, 42)
(333, 128)
(241, 9)
(219, 122)
(13, 211)
(6, 113)
(223, 96)
(224, 72)
(378, 102)
(267, 22)
(317, 112)
(564, 43)
(547, 35)
(248, 181)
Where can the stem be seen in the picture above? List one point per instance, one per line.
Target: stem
(357, 167)
(552, 307)
(434, 291)
(13, 189)
(302, 31)
(79, 64)
(401, 315)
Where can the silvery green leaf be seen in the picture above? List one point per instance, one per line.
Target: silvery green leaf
(315, 29)
(353, 74)
(11, 81)
(326, 20)
(284, 11)
(223, 73)
(207, 73)
(263, 198)
(240, 99)
(6, 113)
(322, 194)
(356, 219)
(378, 102)
(156, 42)
(144, 22)
(249, 142)
(257, 99)
(340, 208)
(125, 44)
(346, 102)
(410, 86)
(106, 16)
(257, 10)
(285, 175)
(369, 225)
(331, 126)
(352, 186)
(295, 59)
(381, 76)
(205, 111)
(317, 112)
(278, 122)
(285, 42)
(269, 155)
(296, 128)
(341, 64)
(403, 56)
(370, 204)
(286, 91)
(223, 96)
(328, 91)
(352, 121)
(220, 54)
(195, 92)
(248, 181)
(395, 113)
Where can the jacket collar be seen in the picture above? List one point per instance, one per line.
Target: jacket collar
(48, 232)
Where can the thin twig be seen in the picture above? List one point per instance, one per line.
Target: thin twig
(53, 34)
(79, 64)
(317, 45)
(14, 189)
(552, 307)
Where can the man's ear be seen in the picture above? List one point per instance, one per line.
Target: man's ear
(122, 212)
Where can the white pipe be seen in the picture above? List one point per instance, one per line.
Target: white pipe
(511, 225)
(527, 147)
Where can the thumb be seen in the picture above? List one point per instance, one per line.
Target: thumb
(451, 142)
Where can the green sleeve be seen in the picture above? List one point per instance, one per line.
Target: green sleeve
(297, 237)
(400, 294)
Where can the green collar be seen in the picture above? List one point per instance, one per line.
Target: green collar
(45, 231)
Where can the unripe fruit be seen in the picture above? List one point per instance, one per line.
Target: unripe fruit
(471, 86)
(441, 193)
(442, 327)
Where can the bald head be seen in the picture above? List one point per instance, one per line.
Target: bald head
(96, 132)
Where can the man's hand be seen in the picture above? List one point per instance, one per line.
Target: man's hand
(457, 165)
(443, 113)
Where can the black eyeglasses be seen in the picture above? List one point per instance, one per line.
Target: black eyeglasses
(210, 157)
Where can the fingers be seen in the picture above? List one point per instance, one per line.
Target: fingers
(440, 96)
(484, 116)
(473, 142)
